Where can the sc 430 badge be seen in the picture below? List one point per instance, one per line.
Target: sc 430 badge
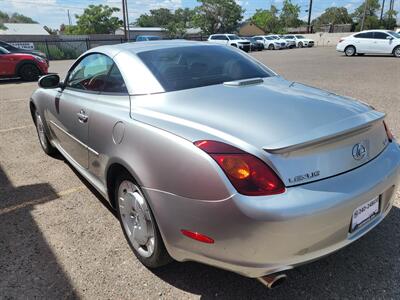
(307, 176)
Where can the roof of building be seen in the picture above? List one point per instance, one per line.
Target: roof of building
(23, 29)
(150, 29)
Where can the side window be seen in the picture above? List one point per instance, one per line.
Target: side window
(364, 35)
(214, 37)
(380, 35)
(90, 73)
(114, 83)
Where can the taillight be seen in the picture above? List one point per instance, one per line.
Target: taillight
(248, 174)
(388, 132)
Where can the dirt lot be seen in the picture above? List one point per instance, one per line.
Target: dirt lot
(58, 238)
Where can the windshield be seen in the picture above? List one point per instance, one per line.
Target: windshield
(196, 66)
(233, 37)
(300, 37)
(395, 34)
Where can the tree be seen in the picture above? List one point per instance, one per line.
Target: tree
(334, 15)
(290, 14)
(267, 20)
(371, 19)
(157, 18)
(14, 18)
(389, 20)
(214, 16)
(95, 19)
(175, 22)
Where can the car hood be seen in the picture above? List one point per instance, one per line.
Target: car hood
(272, 115)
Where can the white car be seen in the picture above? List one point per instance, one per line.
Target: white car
(370, 41)
(231, 40)
(300, 40)
(271, 43)
(284, 43)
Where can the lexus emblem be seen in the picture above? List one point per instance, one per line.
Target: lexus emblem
(359, 151)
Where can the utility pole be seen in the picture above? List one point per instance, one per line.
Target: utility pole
(383, 5)
(69, 18)
(309, 17)
(363, 18)
(127, 19)
(124, 18)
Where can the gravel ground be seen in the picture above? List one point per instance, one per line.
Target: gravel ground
(59, 239)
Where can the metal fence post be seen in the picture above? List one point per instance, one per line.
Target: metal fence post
(47, 50)
(87, 44)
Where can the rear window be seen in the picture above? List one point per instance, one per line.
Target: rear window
(196, 66)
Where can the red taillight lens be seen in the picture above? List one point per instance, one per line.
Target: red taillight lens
(248, 174)
(388, 132)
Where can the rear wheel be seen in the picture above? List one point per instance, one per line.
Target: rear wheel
(44, 141)
(350, 51)
(29, 72)
(396, 51)
(138, 223)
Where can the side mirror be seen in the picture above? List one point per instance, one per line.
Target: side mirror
(389, 37)
(50, 81)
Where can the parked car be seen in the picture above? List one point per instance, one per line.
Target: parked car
(370, 41)
(14, 49)
(231, 40)
(300, 40)
(290, 43)
(207, 155)
(143, 38)
(277, 38)
(254, 44)
(25, 65)
(269, 42)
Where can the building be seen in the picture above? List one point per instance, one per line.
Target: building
(250, 29)
(23, 29)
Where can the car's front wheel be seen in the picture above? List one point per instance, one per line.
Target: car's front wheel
(29, 72)
(350, 51)
(138, 223)
(301, 45)
(271, 47)
(44, 141)
(396, 51)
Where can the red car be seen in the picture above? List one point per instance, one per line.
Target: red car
(25, 65)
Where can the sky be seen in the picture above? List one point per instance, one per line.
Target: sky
(55, 12)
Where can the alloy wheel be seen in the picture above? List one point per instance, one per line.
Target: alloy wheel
(136, 218)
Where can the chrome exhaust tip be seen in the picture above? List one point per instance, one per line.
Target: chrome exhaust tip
(272, 281)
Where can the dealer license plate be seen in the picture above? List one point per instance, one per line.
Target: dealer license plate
(364, 213)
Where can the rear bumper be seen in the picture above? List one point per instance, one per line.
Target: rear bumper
(255, 236)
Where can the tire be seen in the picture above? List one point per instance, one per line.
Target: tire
(43, 139)
(271, 47)
(360, 54)
(350, 51)
(29, 72)
(396, 51)
(138, 223)
(300, 45)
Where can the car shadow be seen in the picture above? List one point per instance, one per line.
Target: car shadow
(28, 267)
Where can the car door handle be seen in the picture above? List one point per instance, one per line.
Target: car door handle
(82, 116)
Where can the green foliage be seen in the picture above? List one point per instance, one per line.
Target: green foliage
(371, 18)
(333, 15)
(389, 20)
(14, 18)
(175, 22)
(289, 15)
(57, 51)
(95, 19)
(214, 16)
(267, 20)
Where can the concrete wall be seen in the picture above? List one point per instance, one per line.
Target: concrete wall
(323, 39)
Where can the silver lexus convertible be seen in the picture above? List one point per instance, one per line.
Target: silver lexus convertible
(207, 155)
